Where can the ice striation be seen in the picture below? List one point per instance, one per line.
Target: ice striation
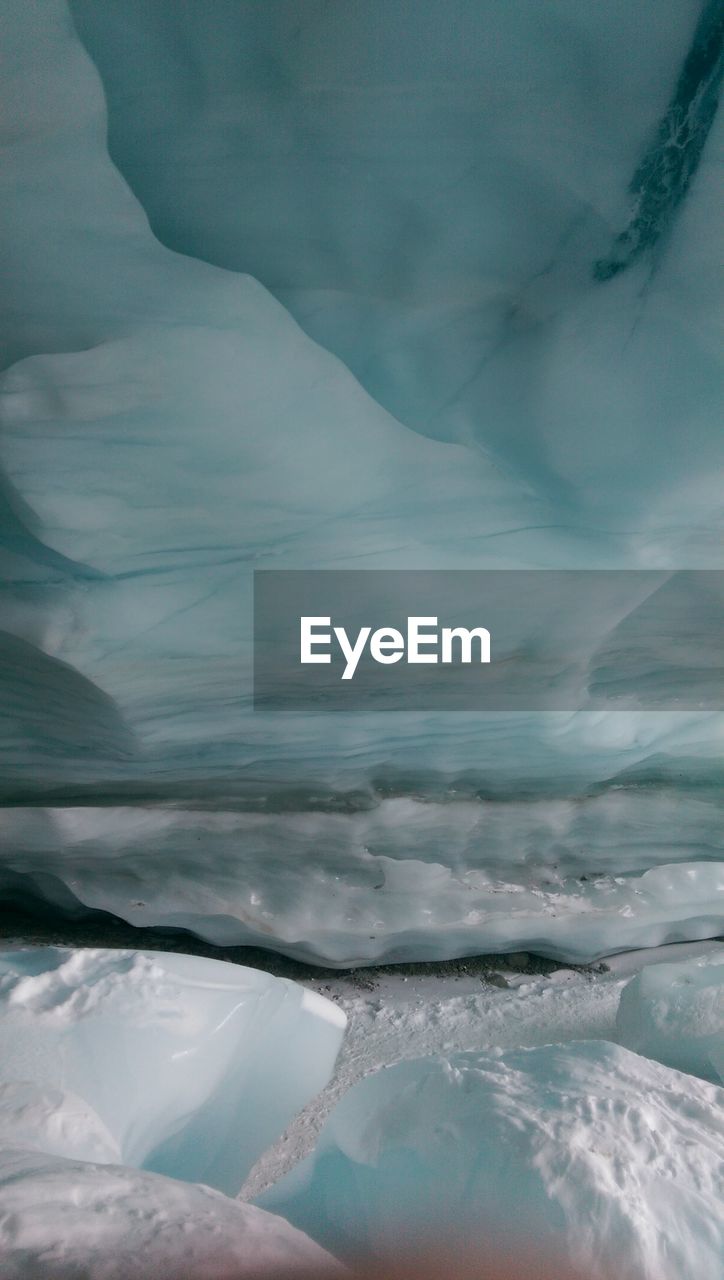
(585, 1151)
(400, 880)
(478, 400)
(675, 1014)
(430, 200)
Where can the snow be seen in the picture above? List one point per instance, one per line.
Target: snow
(168, 427)
(495, 1003)
(61, 1219)
(675, 1014)
(65, 1180)
(192, 1066)
(585, 1148)
(417, 1019)
(54, 1121)
(167, 1062)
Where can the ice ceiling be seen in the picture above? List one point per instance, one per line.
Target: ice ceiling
(325, 286)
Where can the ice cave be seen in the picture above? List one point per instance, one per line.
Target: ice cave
(387, 294)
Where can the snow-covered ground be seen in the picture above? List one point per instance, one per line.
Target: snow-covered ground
(491, 1063)
(609, 1158)
(64, 1219)
(422, 1010)
(499, 237)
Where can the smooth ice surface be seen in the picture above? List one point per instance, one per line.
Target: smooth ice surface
(192, 1066)
(167, 426)
(430, 194)
(675, 1013)
(61, 1219)
(588, 1148)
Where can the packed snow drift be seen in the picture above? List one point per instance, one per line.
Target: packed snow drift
(675, 1013)
(586, 1150)
(188, 1066)
(116, 1066)
(62, 1219)
(120, 1067)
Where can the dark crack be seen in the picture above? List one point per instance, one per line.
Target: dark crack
(665, 174)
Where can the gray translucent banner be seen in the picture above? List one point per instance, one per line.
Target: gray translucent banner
(559, 640)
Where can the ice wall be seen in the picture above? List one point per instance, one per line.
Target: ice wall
(433, 190)
(438, 202)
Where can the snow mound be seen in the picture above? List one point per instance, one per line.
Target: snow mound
(193, 1066)
(586, 1149)
(61, 1219)
(675, 1014)
(54, 1121)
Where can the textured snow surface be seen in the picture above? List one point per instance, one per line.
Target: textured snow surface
(54, 1121)
(62, 1220)
(167, 427)
(191, 1066)
(402, 1017)
(675, 1013)
(630, 1151)
(497, 1003)
(590, 1148)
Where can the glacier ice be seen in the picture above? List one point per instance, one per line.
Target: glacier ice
(400, 880)
(167, 427)
(584, 1148)
(430, 199)
(675, 1014)
(184, 1065)
(62, 1218)
(333, 288)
